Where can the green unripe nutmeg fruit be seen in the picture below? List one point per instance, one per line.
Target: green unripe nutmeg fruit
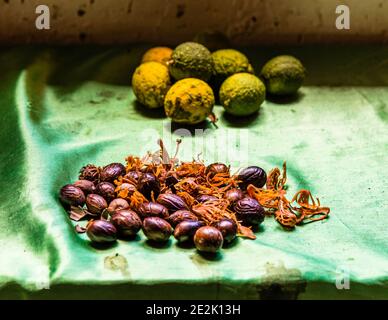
(230, 61)
(242, 94)
(283, 75)
(150, 83)
(189, 101)
(191, 60)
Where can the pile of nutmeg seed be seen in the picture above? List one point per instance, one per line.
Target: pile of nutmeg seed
(95, 197)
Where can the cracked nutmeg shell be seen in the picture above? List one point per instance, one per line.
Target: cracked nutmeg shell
(101, 231)
(252, 175)
(71, 195)
(157, 229)
(249, 211)
(112, 171)
(172, 202)
(95, 203)
(208, 239)
(127, 222)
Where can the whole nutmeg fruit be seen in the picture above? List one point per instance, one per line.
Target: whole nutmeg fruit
(106, 190)
(249, 211)
(71, 195)
(217, 167)
(172, 202)
(208, 239)
(86, 186)
(157, 229)
(127, 222)
(95, 203)
(185, 230)
(148, 184)
(152, 209)
(179, 216)
(252, 175)
(112, 171)
(205, 197)
(233, 195)
(228, 229)
(101, 231)
(116, 205)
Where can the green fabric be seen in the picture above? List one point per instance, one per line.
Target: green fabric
(62, 108)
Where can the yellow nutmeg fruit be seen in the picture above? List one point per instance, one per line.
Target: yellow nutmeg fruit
(150, 83)
(189, 101)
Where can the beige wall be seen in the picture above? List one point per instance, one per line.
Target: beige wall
(161, 21)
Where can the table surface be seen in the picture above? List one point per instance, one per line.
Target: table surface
(64, 107)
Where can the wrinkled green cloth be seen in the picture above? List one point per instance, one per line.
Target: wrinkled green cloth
(64, 107)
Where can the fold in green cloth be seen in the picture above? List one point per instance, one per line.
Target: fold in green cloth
(62, 108)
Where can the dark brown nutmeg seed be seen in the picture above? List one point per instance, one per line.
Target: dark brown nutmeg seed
(86, 186)
(112, 171)
(179, 216)
(205, 197)
(90, 172)
(71, 195)
(217, 167)
(228, 229)
(127, 222)
(185, 230)
(252, 175)
(95, 203)
(233, 195)
(208, 239)
(157, 229)
(152, 209)
(101, 231)
(106, 190)
(249, 211)
(132, 176)
(172, 202)
(148, 184)
(117, 204)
